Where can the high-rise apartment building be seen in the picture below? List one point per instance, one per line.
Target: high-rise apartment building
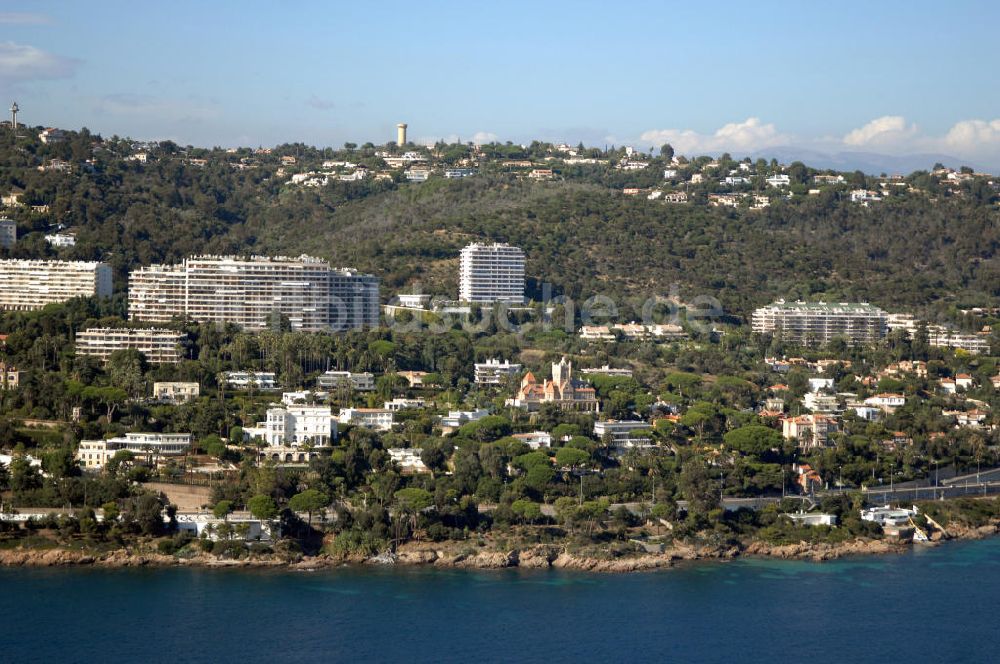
(255, 293)
(820, 322)
(30, 285)
(491, 273)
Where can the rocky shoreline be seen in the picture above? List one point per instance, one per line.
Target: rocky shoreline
(446, 556)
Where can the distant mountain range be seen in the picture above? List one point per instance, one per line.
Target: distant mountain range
(871, 163)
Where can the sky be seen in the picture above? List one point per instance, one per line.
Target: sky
(889, 77)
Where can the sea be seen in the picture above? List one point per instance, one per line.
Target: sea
(929, 605)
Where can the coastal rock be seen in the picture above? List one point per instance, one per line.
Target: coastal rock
(536, 558)
(417, 557)
(489, 560)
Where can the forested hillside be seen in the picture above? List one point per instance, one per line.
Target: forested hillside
(918, 250)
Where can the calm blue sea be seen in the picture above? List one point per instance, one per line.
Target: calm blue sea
(932, 605)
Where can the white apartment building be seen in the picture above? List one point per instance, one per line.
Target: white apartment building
(623, 433)
(399, 404)
(359, 382)
(159, 346)
(31, 285)
(495, 372)
(810, 431)
(379, 419)
(939, 335)
(491, 273)
(408, 459)
(175, 392)
(535, 439)
(61, 240)
(8, 232)
(606, 370)
(456, 418)
(820, 322)
(258, 380)
(94, 454)
(294, 426)
(253, 292)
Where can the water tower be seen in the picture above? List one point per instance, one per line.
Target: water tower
(401, 134)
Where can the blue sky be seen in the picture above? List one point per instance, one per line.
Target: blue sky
(888, 77)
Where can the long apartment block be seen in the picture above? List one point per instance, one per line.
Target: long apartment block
(159, 346)
(255, 293)
(32, 284)
(820, 322)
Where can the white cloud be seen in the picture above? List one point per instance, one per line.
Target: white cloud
(751, 134)
(20, 62)
(974, 137)
(887, 130)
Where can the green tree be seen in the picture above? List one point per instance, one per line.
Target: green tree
(528, 510)
(263, 507)
(126, 369)
(222, 509)
(570, 457)
(701, 493)
(753, 439)
(24, 476)
(310, 500)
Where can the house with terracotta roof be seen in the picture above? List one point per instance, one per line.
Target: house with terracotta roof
(806, 478)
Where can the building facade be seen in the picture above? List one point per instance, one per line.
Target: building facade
(379, 419)
(563, 390)
(491, 273)
(10, 377)
(246, 380)
(623, 434)
(495, 372)
(294, 426)
(810, 431)
(8, 232)
(95, 454)
(29, 285)
(175, 392)
(359, 382)
(811, 323)
(255, 293)
(159, 346)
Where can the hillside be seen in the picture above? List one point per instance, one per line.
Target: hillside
(925, 247)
